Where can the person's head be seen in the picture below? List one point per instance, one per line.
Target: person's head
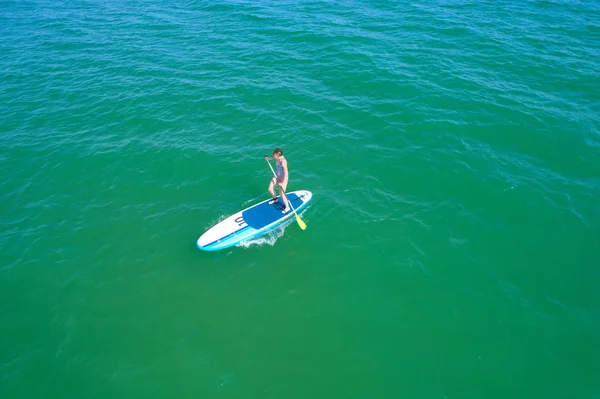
(277, 153)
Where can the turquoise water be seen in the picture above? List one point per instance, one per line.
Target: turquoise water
(452, 245)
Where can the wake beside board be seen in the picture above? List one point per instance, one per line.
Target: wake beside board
(251, 222)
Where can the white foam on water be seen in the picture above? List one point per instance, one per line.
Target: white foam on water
(269, 238)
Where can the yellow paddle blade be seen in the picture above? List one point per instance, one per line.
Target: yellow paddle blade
(301, 223)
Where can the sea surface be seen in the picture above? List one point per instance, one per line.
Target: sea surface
(452, 247)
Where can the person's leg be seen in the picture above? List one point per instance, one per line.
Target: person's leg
(272, 190)
(282, 189)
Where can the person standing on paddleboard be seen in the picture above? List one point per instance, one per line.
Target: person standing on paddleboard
(281, 180)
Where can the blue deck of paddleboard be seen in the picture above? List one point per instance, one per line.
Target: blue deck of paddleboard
(257, 220)
(264, 214)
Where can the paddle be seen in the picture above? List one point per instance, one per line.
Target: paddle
(300, 221)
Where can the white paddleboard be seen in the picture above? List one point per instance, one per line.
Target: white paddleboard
(251, 222)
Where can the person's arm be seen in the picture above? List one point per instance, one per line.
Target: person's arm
(268, 158)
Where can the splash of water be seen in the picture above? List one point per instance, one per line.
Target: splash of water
(269, 238)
